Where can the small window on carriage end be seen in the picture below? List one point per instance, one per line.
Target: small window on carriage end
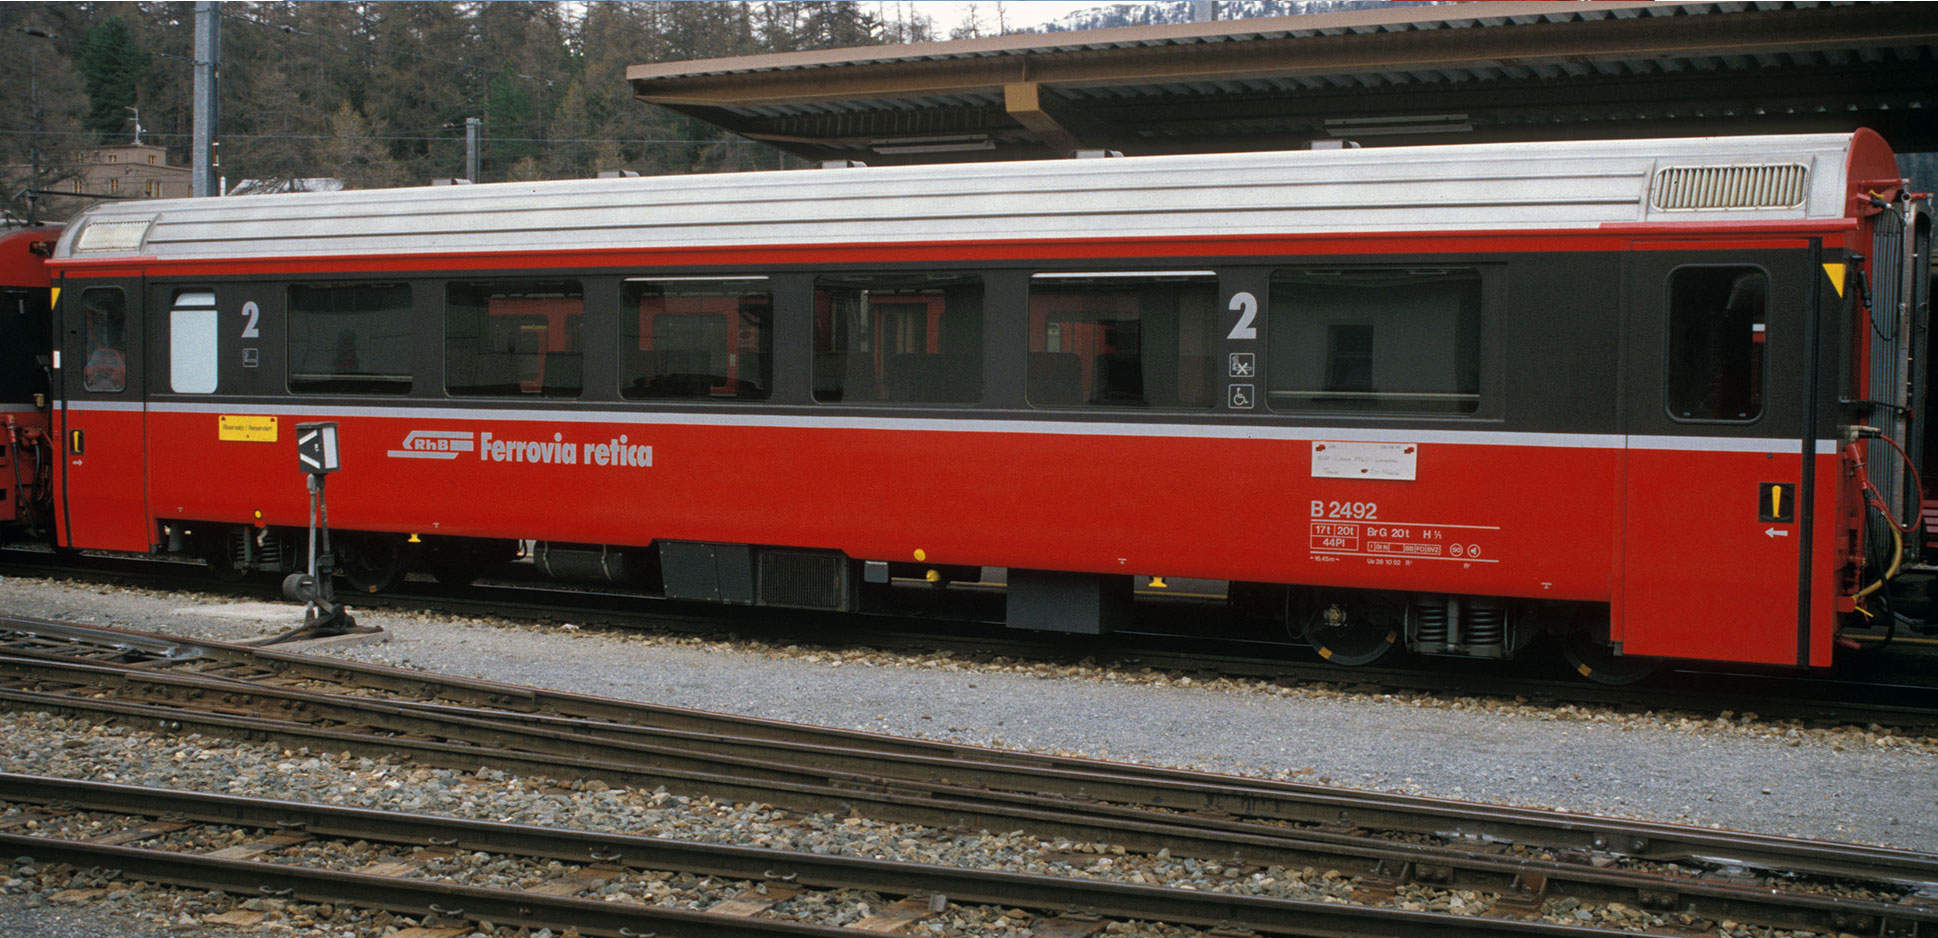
(509, 338)
(898, 338)
(1393, 340)
(1716, 333)
(192, 355)
(351, 338)
(696, 339)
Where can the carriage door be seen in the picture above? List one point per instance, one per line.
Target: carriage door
(1718, 377)
(103, 483)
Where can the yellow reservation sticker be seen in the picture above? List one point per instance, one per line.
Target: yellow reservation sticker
(246, 429)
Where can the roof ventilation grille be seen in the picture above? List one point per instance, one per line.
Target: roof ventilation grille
(1694, 188)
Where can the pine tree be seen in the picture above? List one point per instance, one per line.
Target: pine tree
(426, 80)
(530, 44)
(835, 24)
(112, 67)
(281, 145)
(512, 127)
(45, 110)
(353, 154)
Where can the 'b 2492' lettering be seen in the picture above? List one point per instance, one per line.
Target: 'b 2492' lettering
(1361, 511)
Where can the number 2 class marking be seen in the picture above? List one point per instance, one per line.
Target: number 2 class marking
(1246, 306)
(251, 316)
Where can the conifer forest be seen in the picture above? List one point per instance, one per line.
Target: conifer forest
(377, 94)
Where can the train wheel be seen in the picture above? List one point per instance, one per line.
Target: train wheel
(1356, 631)
(219, 552)
(457, 574)
(1597, 661)
(454, 565)
(371, 564)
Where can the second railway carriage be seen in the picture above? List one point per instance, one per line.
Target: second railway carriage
(26, 452)
(1633, 392)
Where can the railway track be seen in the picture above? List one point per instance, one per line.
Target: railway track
(92, 824)
(1873, 693)
(1523, 859)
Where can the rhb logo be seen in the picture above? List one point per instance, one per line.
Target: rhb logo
(435, 444)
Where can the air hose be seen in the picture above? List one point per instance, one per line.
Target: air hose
(1876, 501)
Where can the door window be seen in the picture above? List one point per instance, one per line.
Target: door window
(104, 315)
(1716, 333)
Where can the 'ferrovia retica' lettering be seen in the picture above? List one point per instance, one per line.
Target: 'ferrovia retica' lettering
(620, 452)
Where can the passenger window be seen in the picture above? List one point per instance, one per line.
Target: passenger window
(905, 338)
(192, 336)
(1387, 340)
(696, 339)
(506, 338)
(1123, 340)
(104, 316)
(1716, 333)
(350, 338)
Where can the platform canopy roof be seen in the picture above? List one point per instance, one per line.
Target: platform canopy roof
(1406, 75)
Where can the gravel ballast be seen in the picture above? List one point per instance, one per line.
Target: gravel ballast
(1856, 784)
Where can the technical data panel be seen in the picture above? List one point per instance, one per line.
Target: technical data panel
(1468, 543)
(1357, 528)
(1452, 515)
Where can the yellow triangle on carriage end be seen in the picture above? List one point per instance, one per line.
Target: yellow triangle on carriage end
(1836, 274)
(54, 298)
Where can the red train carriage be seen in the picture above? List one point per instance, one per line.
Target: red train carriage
(26, 452)
(1635, 393)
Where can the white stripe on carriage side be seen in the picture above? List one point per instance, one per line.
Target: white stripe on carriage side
(1728, 444)
(1039, 426)
(125, 406)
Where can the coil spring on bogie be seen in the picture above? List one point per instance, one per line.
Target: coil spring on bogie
(263, 550)
(1486, 623)
(1430, 612)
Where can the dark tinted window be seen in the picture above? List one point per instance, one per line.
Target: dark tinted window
(695, 339)
(513, 337)
(1121, 340)
(910, 338)
(24, 343)
(1394, 340)
(1716, 336)
(350, 338)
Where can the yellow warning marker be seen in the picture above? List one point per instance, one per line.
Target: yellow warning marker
(1836, 274)
(54, 298)
(1157, 583)
(414, 539)
(921, 555)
